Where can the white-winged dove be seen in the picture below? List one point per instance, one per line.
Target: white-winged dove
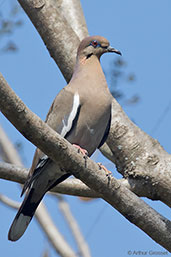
(81, 113)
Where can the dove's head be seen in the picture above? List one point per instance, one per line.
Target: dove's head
(95, 45)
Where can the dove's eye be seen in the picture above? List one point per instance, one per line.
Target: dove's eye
(95, 43)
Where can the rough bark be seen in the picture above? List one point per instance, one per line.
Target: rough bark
(138, 157)
(57, 35)
(67, 157)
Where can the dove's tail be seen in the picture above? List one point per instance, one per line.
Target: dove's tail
(24, 214)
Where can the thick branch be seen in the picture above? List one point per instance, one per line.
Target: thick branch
(62, 152)
(137, 156)
(70, 186)
(73, 13)
(55, 31)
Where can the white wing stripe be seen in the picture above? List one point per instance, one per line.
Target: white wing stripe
(68, 125)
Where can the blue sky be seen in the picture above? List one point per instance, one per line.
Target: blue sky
(141, 31)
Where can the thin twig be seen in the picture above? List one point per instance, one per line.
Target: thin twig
(9, 202)
(73, 225)
(42, 215)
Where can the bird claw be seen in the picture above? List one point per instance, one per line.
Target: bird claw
(81, 150)
(84, 152)
(107, 172)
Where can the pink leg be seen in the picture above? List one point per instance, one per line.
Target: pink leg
(101, 166)
(81, 150)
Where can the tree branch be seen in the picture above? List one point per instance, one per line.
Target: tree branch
(8, 152)
(47, 225)
(7, 201)
(42, 215)
(55, 31)
(73, 13)
(63, 153)
(138, 157)
(70, 186)
(73, 225)
(53, 234)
